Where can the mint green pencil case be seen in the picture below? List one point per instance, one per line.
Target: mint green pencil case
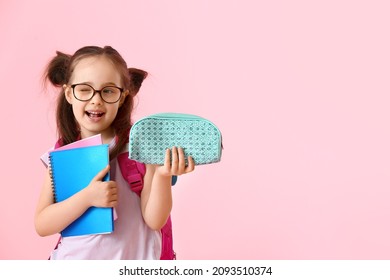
(152, 135)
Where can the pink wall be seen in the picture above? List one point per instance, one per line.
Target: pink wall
(300, 90)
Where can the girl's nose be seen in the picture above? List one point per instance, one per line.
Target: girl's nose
(96, 98)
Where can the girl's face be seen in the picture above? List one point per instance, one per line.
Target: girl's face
(94, 116)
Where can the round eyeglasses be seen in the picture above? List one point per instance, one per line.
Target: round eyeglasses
(85, 92)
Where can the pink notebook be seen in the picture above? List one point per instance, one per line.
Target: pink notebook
(90, 141)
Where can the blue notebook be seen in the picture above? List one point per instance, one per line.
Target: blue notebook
(71, 171)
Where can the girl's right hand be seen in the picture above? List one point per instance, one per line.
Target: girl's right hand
(102, 193)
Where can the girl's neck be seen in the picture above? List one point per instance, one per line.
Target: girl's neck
(107, 136)
(107, 140)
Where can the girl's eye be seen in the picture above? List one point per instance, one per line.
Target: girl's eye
(83, 88)
(109, 90)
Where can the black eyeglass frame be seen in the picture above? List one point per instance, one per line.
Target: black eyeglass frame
(97, 91)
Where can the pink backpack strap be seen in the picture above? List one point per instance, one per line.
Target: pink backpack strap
(167, 252)
(133, 172)
(58, 144)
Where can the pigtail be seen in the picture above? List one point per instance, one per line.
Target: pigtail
(56, 73)
(57, 69)
(137, 76)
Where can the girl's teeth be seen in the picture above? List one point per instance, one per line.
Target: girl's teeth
(95, 114)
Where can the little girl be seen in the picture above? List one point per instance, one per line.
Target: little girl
(97, 91)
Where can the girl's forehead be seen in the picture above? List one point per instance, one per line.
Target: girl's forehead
(95, 68)
(92, 62)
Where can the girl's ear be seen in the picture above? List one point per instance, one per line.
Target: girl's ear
(68, 93)
(123, 97)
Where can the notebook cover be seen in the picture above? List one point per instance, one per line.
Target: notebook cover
(89, 141)
(71, 171)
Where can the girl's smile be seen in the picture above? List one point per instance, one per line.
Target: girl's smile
(95, 116)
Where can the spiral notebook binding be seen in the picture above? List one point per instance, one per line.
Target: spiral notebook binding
(52, 179)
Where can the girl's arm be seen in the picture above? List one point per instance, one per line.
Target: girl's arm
(51, 218)
(156, 196)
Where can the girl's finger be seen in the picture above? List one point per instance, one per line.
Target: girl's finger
(100, 175)
(113, 204)
(167, 161)
(182, 161)
(113, 198)
(174, 160)
(114, 190)
(191, 165)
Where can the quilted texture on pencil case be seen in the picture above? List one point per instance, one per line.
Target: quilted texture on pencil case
(152, 135)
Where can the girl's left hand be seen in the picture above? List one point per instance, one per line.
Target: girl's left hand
(178, 165)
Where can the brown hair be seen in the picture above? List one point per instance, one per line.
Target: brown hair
(59, 70)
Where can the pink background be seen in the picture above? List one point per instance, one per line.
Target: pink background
(300, 90)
